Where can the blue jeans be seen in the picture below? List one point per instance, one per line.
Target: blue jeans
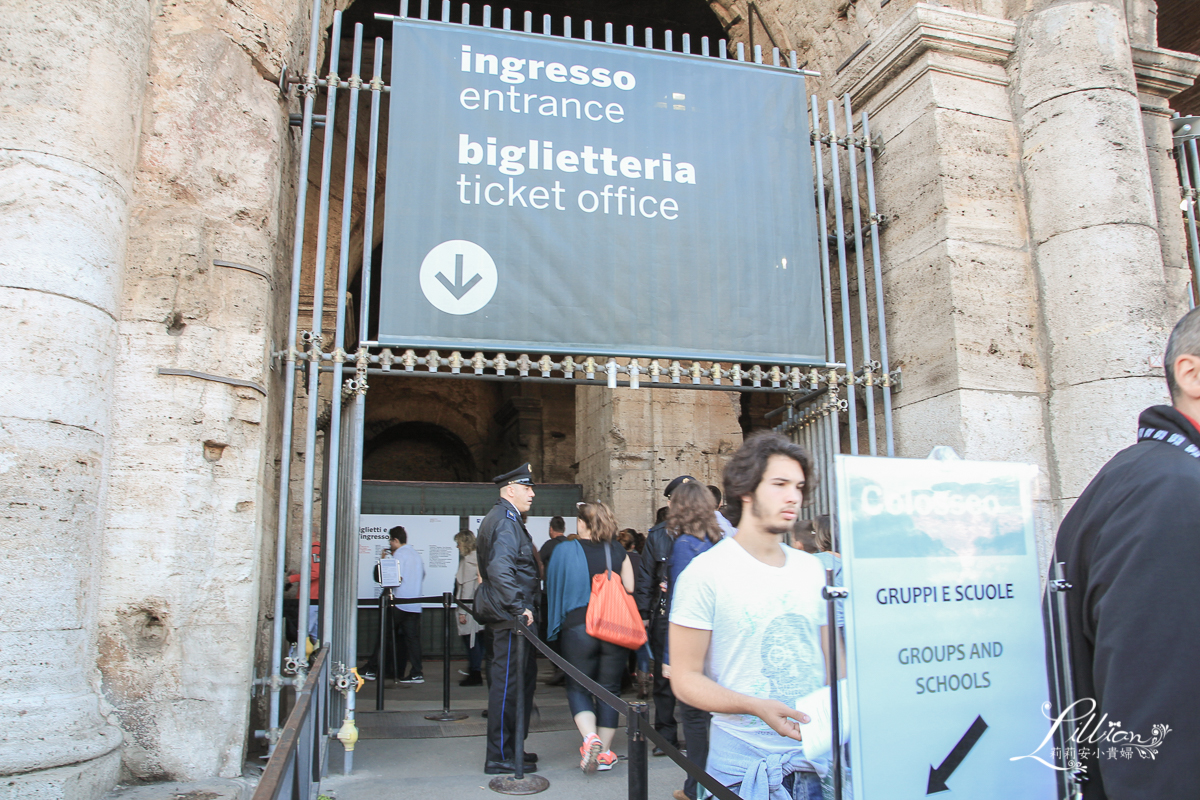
(644, 657)
(801, 785)
(474, 653)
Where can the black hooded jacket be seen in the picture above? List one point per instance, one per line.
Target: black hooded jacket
(1131, 546)
(652, 572)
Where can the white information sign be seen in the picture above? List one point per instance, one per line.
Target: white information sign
(946, 653)
(538, 527)
(433, 537)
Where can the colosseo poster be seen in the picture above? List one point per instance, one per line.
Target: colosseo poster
(944, 634)
(552, 195)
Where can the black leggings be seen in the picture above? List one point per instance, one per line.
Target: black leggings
(603, 662)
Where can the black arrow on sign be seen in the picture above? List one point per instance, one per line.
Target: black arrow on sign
(938, 777)
(458, 288)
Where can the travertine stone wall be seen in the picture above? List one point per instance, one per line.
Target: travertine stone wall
(632, 442)
(1161, 74)
(71, 90)
(192, 473)
(1033, 262)
(962, 295)
(1094, 235)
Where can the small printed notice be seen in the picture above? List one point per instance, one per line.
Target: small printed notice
(943, 628)
(433, 539)
(389, 572)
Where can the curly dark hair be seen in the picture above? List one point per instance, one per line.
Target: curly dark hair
(744, 472)
(694, 511)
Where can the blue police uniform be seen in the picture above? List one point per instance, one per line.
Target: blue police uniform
(509, 587)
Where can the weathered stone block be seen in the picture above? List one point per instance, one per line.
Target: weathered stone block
(1085, 162)
(1092, 422)
(1104, 303)
(1071, 47)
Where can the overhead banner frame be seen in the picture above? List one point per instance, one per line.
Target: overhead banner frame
(581, 196)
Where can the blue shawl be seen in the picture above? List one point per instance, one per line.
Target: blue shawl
(568, 586)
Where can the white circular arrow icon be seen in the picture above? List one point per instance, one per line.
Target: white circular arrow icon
(458, 277)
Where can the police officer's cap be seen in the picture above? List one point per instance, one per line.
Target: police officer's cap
(522, 475)
(680, 481)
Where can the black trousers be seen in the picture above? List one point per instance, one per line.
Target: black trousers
(664, 698)
(406, 627)
(603, 662)
(695, 733)
(502, 694)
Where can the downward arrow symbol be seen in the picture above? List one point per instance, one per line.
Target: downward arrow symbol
(458, 288)
(939, 776)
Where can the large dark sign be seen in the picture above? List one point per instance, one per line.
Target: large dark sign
(550, 195)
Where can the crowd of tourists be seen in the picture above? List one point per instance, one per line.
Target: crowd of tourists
(716, 613)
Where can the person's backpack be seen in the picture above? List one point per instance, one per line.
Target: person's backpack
(612, 614)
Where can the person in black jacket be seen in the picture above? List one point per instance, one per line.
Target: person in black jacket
(1131, 549)
(650, 593)
(507, 594)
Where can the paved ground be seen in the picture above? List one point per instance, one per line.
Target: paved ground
(450, 766)
(401, 754)
(211, 789)
(452, 769)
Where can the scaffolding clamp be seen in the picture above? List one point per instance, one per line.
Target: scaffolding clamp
(310, 84)
(361, 360)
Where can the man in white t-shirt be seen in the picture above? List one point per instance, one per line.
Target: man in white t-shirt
(748, 634)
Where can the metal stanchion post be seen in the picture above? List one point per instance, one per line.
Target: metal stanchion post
(639, 780)
(519, 783)
(447, 623)
(832, 594)
(385, 603)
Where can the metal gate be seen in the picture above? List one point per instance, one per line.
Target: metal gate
(844, 405)
(1184, 132)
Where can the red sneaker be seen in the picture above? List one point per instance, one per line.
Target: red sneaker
(590, 752)
(606, 760)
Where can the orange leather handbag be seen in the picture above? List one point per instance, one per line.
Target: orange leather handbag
(612, 614)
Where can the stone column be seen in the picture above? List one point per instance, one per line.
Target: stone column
(190, 515)
(1093, 231)
(962, 297)
(71, 90)
(632, 442)
(1162, 74)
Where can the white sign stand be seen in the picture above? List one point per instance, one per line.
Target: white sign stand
(945, 645)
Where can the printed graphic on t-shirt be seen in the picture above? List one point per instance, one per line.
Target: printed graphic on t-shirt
(790, 662)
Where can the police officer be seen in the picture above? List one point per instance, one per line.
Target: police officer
(652, 596)
(507, 594)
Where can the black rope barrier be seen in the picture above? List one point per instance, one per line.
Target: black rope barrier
(387, 641)
(638, 726)
(718, 790)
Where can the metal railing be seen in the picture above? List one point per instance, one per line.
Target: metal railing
(1184, 131)
(297, 761)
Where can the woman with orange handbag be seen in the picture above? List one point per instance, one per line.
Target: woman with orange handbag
(571, 590)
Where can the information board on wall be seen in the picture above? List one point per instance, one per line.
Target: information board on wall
(945, 647)
(538, 527)
(660, 204)
(433, 538)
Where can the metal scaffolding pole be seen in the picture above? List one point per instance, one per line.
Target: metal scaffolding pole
(277, 638)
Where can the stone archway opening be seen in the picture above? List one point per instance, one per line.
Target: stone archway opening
(417, 451)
